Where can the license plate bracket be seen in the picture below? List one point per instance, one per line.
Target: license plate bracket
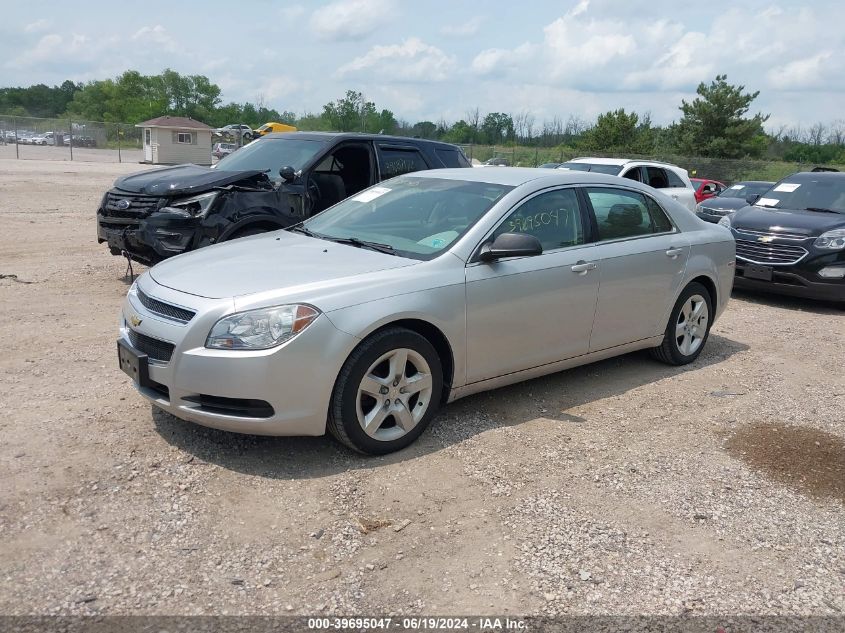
(757, 271)
(133, 364)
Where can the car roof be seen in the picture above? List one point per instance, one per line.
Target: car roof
(327, 137)
(619, 161)
(516, 176)
(816, 175)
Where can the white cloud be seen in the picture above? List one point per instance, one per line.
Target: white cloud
(38, 25)
(351, 19)
(157, 35)
(497, 60)
(46, 49)
(412, 60)
(809, 72)
(468, 28)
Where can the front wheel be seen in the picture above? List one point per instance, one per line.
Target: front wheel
(688, 327)
(386, 393)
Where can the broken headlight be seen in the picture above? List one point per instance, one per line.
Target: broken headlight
(196, 206)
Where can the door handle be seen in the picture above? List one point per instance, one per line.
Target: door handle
(674, 196)
(674, 252)
(582, 267)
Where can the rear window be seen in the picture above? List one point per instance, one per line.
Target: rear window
(674, 179)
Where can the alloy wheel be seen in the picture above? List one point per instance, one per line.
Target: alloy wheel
(394, 394)
(691, 327)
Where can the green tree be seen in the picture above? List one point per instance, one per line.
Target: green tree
(497, 128)
(619, 131)
(715, 123)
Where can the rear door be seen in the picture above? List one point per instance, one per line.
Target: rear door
(641, 259)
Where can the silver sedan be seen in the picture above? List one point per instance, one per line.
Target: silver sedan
(368, 317)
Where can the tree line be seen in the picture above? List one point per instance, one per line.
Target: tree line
(717, 123)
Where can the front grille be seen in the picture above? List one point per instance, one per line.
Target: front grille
(139, 205)
(152, 347)
(784, 236)
(165, 309)
(769, 253)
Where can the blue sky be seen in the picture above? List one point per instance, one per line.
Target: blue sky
(439, 59)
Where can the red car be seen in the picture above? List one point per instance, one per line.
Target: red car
(705, 188)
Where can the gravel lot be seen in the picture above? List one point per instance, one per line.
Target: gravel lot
(624, 487)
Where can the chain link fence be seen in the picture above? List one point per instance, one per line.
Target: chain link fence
(725, 170)
(69, 139)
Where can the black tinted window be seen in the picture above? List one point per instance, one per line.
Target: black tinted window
(451, 157)
(395, 162)
(622, 213)
(554, 218)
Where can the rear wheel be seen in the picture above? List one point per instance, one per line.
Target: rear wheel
(688, 327)
(386, 393)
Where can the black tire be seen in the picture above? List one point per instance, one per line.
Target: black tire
(247, 137)
(669, 351)
(343, 417)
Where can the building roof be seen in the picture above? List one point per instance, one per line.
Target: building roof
(181, 122)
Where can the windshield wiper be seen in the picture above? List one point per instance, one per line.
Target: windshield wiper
(821, 210)
(354, 241)
(301, 229)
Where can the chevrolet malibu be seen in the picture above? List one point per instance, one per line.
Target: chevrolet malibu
(432, 286)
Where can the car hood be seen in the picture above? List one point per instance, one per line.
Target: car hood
(724, 204)
(181, 179)
(269, 263)
(809, 223)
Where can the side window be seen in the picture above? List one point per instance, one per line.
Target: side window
(451, 157)
(633, 174)
(621, 213)
(675, 180)
(657, 177)
(553, 217)
(395, 162)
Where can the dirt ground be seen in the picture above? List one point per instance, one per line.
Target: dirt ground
(623, 487)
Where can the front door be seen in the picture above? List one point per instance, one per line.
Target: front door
(641, 261)
(148, 146)
(530, 311)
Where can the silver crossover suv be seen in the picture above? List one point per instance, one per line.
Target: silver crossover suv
(368, 317)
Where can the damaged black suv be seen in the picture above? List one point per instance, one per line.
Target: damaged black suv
(269, 184)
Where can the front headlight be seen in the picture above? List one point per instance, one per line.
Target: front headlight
(197, 206)
(725, 220)
(261, 329)
(831, 241)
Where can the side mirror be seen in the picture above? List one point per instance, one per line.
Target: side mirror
(752, 198)
(287, 173)
(510, 245)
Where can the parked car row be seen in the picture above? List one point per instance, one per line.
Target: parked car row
(25, 137)
(245, 133)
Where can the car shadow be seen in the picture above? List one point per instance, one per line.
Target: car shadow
(549, 396)
(786, 302)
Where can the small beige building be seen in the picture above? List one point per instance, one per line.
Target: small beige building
(172, 140)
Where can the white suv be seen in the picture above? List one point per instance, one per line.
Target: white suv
(671, 179)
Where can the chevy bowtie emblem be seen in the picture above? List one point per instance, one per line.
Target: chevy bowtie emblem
(135, 320)
(766, 239)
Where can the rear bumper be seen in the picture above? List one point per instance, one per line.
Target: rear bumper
(792, 282)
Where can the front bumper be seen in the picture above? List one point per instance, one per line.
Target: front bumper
(795, 281)
(151, 239)
(296, 378)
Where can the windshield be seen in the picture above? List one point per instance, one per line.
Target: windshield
(612, 170)
(745, 189)
(271, 154)
(417, 217)
(820, 193)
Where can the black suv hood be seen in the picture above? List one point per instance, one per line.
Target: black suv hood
(809, 223)
(181, 179)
